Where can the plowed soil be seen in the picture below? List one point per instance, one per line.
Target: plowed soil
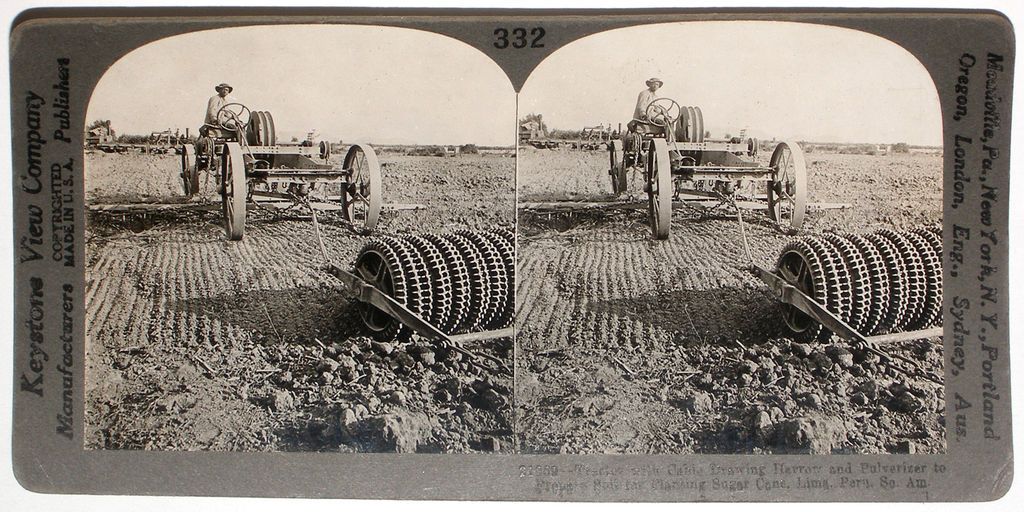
(630, 345)
(195, 342)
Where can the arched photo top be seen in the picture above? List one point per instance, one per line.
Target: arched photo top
(385, 85)
(779, 80)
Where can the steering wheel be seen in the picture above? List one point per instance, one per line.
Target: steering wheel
(663, 115)
(234, 116)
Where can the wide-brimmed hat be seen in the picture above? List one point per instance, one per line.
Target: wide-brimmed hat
(223, 86)
(654, 81)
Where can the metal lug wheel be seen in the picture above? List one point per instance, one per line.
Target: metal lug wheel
(618, 167)
(362, 195)
(659, 189)
(189, 172)
(787, 190)
(234, 190)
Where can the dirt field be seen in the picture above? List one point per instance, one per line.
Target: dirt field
(198, 343)
(629, 345)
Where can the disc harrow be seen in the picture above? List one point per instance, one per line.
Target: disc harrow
(436, 285)
(886, 284)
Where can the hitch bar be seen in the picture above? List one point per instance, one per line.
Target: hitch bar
(367, 293)
(789, 294)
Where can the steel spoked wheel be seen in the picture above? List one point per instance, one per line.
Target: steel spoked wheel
(189, 172)
(234, 191)
(618, 167)
(797, 271)
(787, 190)
(659, 189)
(372, 267)
(362, 197)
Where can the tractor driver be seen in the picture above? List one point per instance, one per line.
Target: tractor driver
(218, 101)
(646, 97)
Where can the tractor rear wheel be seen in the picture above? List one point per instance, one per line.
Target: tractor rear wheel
(618, 167)
(361, 198)
(787, 189)
(659, 189)
(234, 190)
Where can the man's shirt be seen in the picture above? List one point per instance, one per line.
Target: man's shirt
(646, 98)
(215, 105)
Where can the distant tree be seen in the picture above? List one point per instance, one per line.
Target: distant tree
(901, 147)
(133, 139)
(295, 139)
(566, 134)
(430, 150)
(469, 149)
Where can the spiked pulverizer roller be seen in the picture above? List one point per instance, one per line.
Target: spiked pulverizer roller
(456, 286)
(883, 286)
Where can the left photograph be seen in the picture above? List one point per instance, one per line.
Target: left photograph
(301, 238)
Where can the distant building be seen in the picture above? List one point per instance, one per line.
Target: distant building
(99, 135)
(530, 130)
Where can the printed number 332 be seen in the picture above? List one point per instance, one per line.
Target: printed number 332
(518, 38)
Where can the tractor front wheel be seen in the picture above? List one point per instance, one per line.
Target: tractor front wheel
(234, 190)
(618, 167)
(659, 189)
(189, 172)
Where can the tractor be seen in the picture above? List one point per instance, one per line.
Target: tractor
(249, 166)
(677, 160)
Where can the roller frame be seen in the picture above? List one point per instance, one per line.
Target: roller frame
(369, 294)
(793, 296)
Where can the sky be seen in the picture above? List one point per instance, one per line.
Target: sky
(374, 84)
(782, 80)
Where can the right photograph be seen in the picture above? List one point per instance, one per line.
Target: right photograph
(730, 241)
